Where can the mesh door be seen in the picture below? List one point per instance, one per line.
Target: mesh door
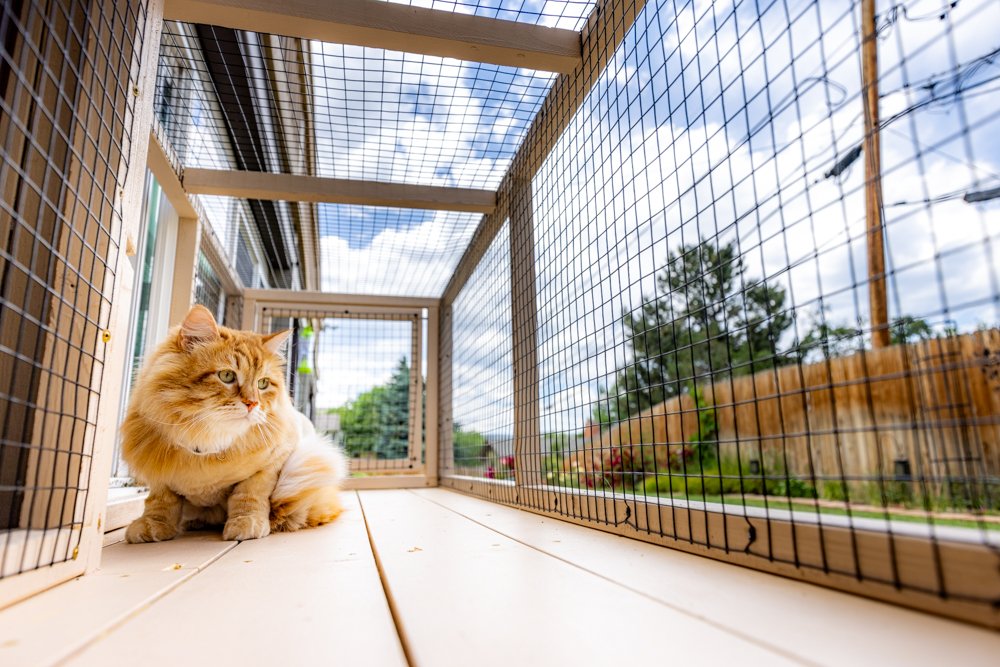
(358, 377)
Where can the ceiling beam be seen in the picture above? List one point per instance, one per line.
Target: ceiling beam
(394, 27)
(295, 187)
(160, 162)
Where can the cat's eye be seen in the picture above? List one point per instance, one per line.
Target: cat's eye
(227, 376)
(263, 383)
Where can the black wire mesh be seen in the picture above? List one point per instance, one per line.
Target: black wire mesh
(66, 113)
(691, 285)
(208, 290)
(238, 100)
(481, 393)
(358, 376)
(357, 249)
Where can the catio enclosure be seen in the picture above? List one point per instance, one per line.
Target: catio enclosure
(719, 276)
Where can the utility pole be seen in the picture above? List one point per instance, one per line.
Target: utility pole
(877, 299)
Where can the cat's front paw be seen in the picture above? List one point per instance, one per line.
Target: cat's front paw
(246, 527)
(148, 529)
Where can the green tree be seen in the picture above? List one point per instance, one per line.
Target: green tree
(909, 329)
(378, 420)
(359, 421)
(708, 319)
(469, 447)
(393, 440)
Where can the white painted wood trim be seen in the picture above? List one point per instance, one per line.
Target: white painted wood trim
(296, 187)
(294, 298)
(185, 267)
(159, 162)
(20, 586)
(395, 27)
(117, 352)
(124, 506)
(250, 314)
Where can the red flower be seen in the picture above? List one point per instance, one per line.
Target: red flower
(508, 461)
(490, 473)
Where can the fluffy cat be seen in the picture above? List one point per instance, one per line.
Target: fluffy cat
(211, 430)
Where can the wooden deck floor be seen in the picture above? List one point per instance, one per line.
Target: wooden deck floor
(432, 577)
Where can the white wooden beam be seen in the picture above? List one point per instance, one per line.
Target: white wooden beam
(159, 162)
(300, 298)
(185, 268)
(294, 187)
(395, 27)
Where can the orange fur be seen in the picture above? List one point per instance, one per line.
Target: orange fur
(213, 450)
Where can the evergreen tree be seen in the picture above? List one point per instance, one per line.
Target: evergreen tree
(394, 419)
(708, 319)
(378, 420)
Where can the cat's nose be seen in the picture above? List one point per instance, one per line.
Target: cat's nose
(250, 405)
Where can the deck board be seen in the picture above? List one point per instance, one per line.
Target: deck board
(52, 625)
(470, 582)
(815, 624)
(310, 597)
(464, 594)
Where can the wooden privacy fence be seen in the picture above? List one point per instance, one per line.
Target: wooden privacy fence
(926, 413)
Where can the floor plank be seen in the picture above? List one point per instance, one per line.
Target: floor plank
(310, 597)
(464, 594)
(816, 624)
(52, 625)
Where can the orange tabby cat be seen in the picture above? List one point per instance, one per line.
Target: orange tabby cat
(211, 430)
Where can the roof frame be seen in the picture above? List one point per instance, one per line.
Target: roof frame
(394, 27)
(295, 187)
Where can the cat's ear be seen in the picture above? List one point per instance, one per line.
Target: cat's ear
(198, 328)
(274, 343)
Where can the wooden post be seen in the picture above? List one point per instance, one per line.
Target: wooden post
(524, 325)
(873, 179)
(185, 268)
(432, 432)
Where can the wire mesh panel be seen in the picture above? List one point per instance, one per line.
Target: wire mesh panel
(358, 376)
(741, 326)
(236, 100)
(66, 113)
(208, 289)
(481, 438)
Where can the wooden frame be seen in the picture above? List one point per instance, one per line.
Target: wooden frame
(393, 27)
(404, 473)
(299, 188)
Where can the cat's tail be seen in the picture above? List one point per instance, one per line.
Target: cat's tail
(307, 490)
